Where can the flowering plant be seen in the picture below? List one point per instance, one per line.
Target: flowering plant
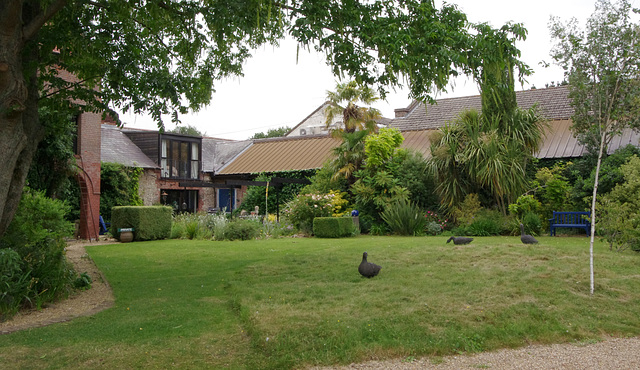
(305, 207)
(434, 221)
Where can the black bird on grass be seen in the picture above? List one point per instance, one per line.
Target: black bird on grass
(526, 239)
(368, 269)
(458, 240)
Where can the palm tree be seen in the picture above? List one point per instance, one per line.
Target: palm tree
(354, 117)
(348, 156)
(477, 151)
(358, 122)
(489, 150)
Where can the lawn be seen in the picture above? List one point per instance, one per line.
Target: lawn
(294, 302)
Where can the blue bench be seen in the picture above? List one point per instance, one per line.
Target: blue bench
(570, 220)
(104, 227)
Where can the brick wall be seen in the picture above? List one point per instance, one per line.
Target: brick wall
(88, 160)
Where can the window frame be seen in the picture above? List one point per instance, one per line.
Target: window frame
(186, 168)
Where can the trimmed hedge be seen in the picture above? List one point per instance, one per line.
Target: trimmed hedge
(333, 227)
(149, 223)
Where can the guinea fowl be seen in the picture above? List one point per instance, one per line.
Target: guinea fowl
(460, 240)
(368, 269)
(526, 239)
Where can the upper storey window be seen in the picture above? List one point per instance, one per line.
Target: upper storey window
(179, 158)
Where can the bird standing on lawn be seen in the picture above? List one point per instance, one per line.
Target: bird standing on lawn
(458, 240)
(526, 239)
(368, 269)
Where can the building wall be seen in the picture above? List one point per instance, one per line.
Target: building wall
(314, 124)
(147, 189)
(208, 195)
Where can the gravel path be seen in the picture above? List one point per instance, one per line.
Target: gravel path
(613, 353)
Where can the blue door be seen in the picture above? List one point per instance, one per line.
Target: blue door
(226, 199)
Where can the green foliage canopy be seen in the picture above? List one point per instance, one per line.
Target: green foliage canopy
(272, 132)
(602, 66)
(187, 130)
(161, 57)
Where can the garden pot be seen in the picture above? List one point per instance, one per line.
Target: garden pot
(126, 235)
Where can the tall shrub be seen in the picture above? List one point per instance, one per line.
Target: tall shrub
(305, 207)
(37, 235)
(619, 210)
(378, 185)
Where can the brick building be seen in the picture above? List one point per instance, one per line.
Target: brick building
(87, 146)
(178, 170)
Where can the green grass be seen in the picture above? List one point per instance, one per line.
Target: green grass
(290, 303)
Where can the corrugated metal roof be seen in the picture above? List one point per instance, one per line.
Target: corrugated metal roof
(282, 154)
(553, 102)
(417, 141)
(301, 153)
(116, 147)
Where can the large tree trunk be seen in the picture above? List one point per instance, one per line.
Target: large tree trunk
(20, 130)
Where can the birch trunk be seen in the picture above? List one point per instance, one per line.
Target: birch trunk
(593, 211)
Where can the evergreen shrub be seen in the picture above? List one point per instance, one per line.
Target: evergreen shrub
(37, 235)
(149, 223)
(241, 230)
(333, 227)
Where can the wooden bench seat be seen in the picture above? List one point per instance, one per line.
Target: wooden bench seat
(570, 220)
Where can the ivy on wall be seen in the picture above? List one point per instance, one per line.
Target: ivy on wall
(118, 187)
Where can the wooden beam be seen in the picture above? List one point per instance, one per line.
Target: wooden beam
(245, 182)
(202, 184)
(284, 180)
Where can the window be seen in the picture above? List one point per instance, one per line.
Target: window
(180, 158)
(195, 162)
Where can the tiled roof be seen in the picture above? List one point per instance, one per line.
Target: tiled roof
(559, 142)
(116, 147)
(553, 103)
(282, 154)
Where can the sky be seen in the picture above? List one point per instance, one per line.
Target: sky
(276, 90)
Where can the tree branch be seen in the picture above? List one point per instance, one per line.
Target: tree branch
(69, 86)
(30, 29)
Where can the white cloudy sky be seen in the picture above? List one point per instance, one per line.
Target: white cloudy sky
(276, 91)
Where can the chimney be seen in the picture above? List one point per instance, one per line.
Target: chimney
(401, 112)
